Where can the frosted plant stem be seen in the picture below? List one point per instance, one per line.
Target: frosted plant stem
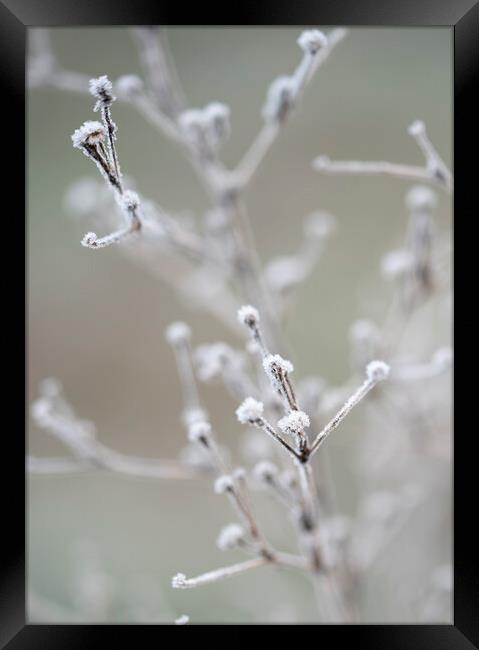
(180, 582)
(411, 172)
(187, 377)
(361, 392)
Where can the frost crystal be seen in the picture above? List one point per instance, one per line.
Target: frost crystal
(102, 89)
(280, 99)
(90, 132)
(198, 431)
(178, 581)
(274, 365)
(89, 240)
(312, 40)
(223, 484)
(177, 332)
(293, 423)
(230, 537)
(248, 315)
(250, 411)
(130, 200)
(377, 370)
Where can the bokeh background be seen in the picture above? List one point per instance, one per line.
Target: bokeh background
(96, 320)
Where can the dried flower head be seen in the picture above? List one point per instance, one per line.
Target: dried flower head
(178, 581)
(250, 411)
(377, 371)
(312, 40)
(294, 423)
(102, 89)
(89, 133)
(177, 333)
(224, 484)
(199, 431)
(230, 537)
(276, 367)
(248, 315)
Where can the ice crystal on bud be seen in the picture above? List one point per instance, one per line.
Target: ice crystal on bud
(377, 370)
(250, 411)
(177, 332)
(265, 471)
(89, 240)
(102, 89)
(230, 537)
(198, 431)
(223, 484)
(274, 365)
(312, 40)
(280, 99)
(420, 198)
(90, 132)
(178, 581)
(130, 200)
(294, 423)
(248, 315)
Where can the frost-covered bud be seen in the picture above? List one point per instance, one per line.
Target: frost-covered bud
(294, 423)
(265, 471)
(178, 581)
(191, 416)
(102, 89)
(312, 40)
(280, 99)
(129, 85)
(239, 474)
(319, 225)
(420, 198)
(182, 620)
(442, 358)
(416, 128)
(89, 133)
(248, 315)
(199, 431)
(396, 264)
(250, 411)
(89, 240)
(224, 484)
(275, 367)
(212, 358)
(130, 200)
(217, 118)
(230, 537)
(365, 339)
(321, 162)
(377, 371)
(177, 333)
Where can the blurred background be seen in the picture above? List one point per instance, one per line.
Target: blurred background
(96, 320)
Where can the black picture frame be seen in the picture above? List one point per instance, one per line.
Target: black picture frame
(462, 16)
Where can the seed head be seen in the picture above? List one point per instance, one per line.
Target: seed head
(90, 132)
(199, 431)
(223, 484)
(250, 411)
(294, 423)
(230, 537)
(102, 89)
(312, 40)
(265, 471)
(178, 581)
(177, 333)
(248, 315)
(377, 370)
